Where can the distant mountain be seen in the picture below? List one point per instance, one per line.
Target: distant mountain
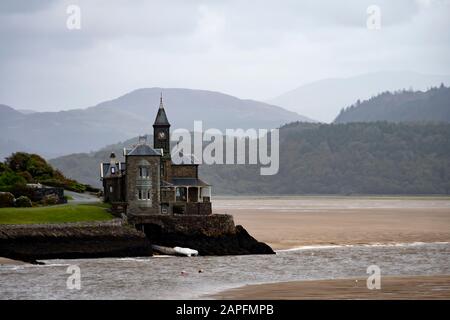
(403, 106)
(353, 158)
(322, 100)
(56, 133)
(26, 111)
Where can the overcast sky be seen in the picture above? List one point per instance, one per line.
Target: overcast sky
(250, 49)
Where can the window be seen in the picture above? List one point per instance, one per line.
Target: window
(144, 172)
(113, 170)
(110, 189)
(180, 194)
(143, 194)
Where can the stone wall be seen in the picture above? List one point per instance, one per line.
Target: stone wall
(118, 189)
(212, 225)
(198, 208)
(136, 206)
(184, 171)
(72, 240)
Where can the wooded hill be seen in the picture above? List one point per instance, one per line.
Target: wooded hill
(353, 158)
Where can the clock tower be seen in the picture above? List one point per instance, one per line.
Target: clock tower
(161, 131)
(161, 139)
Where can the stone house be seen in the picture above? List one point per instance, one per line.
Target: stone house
(149, 183)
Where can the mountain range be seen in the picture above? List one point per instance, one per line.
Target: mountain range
(322, 100)
(52, 134)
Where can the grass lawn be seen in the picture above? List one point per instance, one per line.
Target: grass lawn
(55, 214)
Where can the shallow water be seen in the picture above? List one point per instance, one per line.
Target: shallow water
(161, 278)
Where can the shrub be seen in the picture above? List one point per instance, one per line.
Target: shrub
(23, 202)
(9, 178)
(6, 199)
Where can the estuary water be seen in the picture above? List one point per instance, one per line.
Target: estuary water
(179, 277)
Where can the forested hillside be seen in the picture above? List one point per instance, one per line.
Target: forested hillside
(354, 158)
(402, 106)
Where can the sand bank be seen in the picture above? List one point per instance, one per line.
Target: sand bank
(411, 287)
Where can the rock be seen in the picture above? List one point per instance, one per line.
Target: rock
(233, 242)
(6, 199)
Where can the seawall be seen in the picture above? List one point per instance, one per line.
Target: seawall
(72, 240)
(210, 235)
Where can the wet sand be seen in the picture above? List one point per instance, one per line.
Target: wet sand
(7, 261)
(290, 222)
(418, 287)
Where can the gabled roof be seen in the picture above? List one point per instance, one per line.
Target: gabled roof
(161, 117)
(143, 150)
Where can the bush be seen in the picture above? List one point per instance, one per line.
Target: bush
(6, 199)
(23, 202)
(9, 178)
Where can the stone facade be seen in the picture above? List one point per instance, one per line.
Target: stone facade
(149, 183)
(143, 192)
(184, 170)
(116, 189)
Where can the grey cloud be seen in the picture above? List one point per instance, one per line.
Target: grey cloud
(254, 49)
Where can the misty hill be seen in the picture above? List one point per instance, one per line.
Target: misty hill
(408, 106)
(56, 133)
(354, 158)
(322, 100)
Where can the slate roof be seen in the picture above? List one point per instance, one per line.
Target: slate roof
(143, 150)
(107, 166)
(191, 182)
(161, 117)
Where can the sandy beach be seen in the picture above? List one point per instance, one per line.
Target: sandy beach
(7, 261)
(419, 287)
(290, 222)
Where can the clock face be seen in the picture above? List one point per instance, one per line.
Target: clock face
(161, 135)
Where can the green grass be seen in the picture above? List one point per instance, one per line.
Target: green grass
(55, 214)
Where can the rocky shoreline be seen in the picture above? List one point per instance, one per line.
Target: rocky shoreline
(30, 243)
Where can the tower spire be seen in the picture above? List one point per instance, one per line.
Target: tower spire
(161, 118)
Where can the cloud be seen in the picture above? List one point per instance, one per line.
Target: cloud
(254, 49)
